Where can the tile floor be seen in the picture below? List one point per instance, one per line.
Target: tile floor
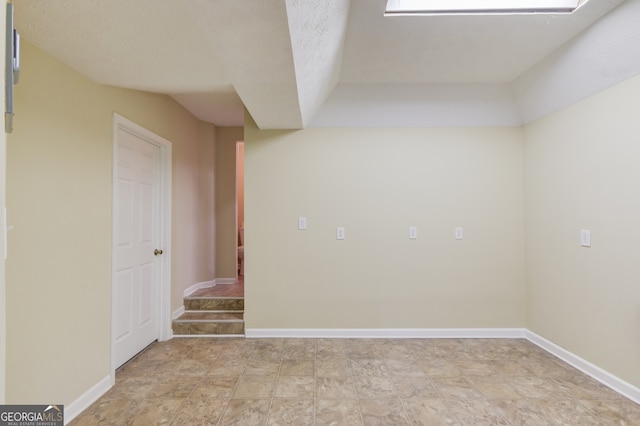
(237, 381)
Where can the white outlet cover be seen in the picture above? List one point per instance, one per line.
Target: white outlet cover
(413, 232)
(585, 237)
(458, 234)
(340, 233)
(302, 223)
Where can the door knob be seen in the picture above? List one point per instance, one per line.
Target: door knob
(157, 252)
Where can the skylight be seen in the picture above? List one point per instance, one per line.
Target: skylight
(479, 7)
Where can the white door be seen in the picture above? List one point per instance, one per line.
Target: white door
(136, 268)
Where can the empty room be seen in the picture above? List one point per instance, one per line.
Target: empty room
(322, 212)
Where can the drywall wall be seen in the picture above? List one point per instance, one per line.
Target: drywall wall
(59, 193)
(226, 235)
(377, 183)
(240, 183)
(3, 169)
(581, 172)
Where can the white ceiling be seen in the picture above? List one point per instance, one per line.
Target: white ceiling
(283, 59)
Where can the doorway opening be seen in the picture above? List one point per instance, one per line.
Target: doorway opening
(141, 240)
(240, 210)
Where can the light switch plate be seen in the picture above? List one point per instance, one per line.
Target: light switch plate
(413, 232)
(585, 237)
(302, 223)
(458, 233)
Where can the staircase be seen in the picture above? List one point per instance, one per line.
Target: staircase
(214, 311)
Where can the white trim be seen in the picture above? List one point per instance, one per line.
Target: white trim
(178, 312)
(392, 333)
(164, 312)
(189, 336)
(72, 410)
(225, 281)
(197, 286)
(207, 284)
(602, 376)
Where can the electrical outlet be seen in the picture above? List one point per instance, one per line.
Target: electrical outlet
(302, 223)
(340, 233)
(458, 233)
(585, 238)
(413, 232)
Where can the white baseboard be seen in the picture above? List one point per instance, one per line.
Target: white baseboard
(197, 286)
(177, 312)
(624, 388)
(225, 281)
(205, 284)
(72, 410)
(391, 333)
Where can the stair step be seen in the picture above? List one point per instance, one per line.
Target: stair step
(214, 304)
(195, 316)
(208, 327)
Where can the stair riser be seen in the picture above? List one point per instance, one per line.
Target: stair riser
(196, 328)
(214, 304)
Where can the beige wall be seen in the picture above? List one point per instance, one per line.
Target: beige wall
(59, 201)
(3, 168)
(582, 172)
(377, 183)
(240, 183)
(225, 166)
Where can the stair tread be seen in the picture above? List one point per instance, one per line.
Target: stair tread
(210, 316)
(214, 298)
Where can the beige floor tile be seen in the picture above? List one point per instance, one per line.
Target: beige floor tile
(581, 386)
(523, 412)
(153, 412)
(335, 387)
(289, 412)
(106, 412)
(493, 387)
(227, 367)
(403, 368)
(455, 388)
(246, 412)
(299, 352)
(618, 412)
(371, 387)
(369, 367)
(199, 412)
(174, 387)
(476, 412)
(203, 353)
(300, 387)
(429, 412)
(474, 367)
(215, 387)
(255, 387)
(537, 387)
(439, 367)
(297, 367)
(131, 387)
(383, 412)
(192, 367)
(195, 381)
(331, 353)
(337, 412)
(256, 367)
(395, 351)
(509, 367)
(414, 387)
(333, 367)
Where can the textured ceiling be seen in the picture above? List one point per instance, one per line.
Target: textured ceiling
(281, 59)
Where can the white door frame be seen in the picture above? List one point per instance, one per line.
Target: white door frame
(165, 146)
